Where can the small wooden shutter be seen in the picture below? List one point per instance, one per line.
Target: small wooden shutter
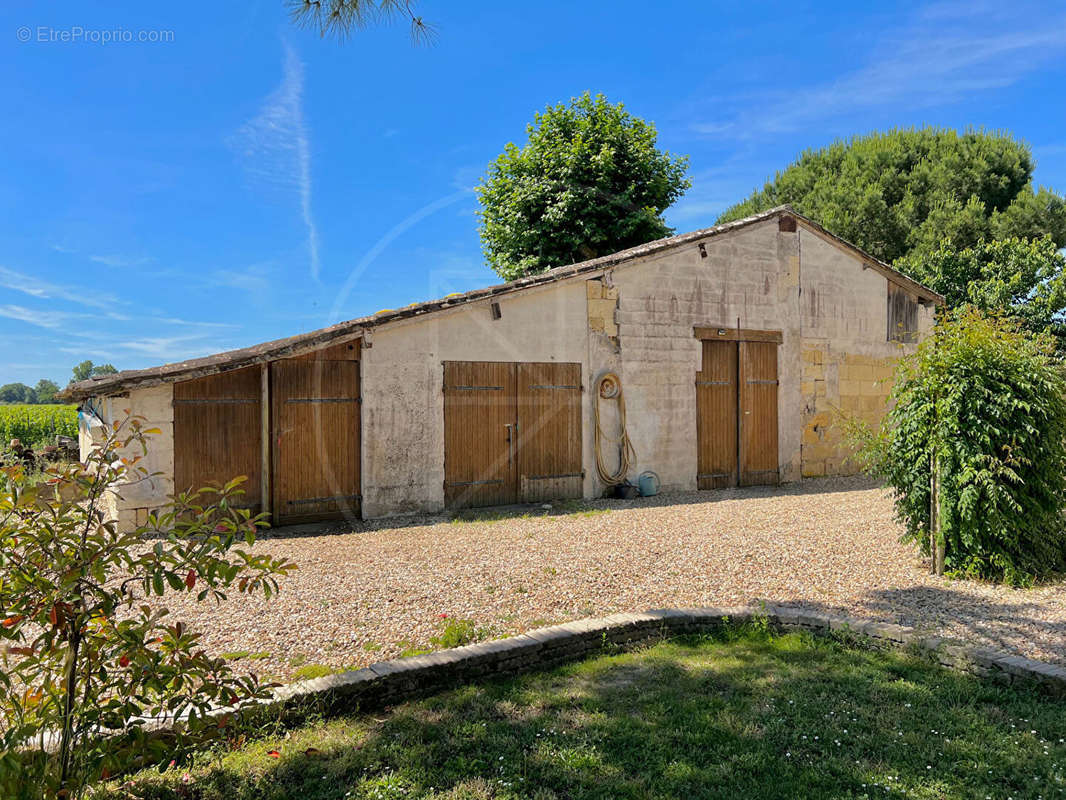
(217, 433)
(758, 414)
(716, 416)
(549, 431)
(902, 314)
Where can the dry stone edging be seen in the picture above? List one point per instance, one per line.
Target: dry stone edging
(389, 682)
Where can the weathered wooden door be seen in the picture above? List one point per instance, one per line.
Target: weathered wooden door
(512, 432)
(758, 413)
(480, 458)
(549, 431)
(316, 431)
(736, 414)
(217, 428)
(716, 417)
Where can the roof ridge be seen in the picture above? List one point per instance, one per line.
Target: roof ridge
(353, 328)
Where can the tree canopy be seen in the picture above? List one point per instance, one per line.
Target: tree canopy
(912, 192)
(16, 393)
(1021, 278)
(45, 391)
(589, 181)
(86, 370)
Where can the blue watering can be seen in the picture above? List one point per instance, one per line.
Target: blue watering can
(648, 483)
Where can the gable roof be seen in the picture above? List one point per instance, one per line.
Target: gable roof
(120, 382)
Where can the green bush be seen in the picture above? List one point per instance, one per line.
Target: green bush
(980, 408)
(34, 425)
(88, 655)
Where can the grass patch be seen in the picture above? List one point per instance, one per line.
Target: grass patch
(407, 649)
(311, 671)
(747, 715)
(245, 655)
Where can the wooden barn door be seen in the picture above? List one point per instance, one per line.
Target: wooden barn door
(758, 417)
(512, 432)
(217, 433)
(480, 458)
(716, 417)
(316, 432)
(549, 431)
(736, 412)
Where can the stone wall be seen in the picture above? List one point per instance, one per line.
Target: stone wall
(131, 504)
(390, 682)
(747, 278)
(848, 363)
(636, 319)
(838, 386)
(403, 379)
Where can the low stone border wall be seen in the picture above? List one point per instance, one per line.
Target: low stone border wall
(401, 679)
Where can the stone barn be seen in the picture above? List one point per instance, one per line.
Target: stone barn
(721, 357)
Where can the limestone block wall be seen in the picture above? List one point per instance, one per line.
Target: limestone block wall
(848, 361)
(838, 386)
(750, 278)
(602, 305)
(403, 377)
(130, 505)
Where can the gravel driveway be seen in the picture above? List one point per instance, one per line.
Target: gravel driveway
(367, 594)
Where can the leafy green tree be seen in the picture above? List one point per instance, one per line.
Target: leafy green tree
(88, 660)
(86, 370)
(339, 18)
(16, 393)
(911, 192)
(974, 445)
(1017, 277)
(590, 181)
(45, 390)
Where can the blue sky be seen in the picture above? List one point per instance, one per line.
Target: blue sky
(247, 180)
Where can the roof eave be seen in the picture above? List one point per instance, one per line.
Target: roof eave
(241, 358)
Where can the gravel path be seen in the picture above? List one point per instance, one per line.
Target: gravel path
(368, 594)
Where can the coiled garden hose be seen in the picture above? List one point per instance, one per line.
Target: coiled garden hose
(609, 387)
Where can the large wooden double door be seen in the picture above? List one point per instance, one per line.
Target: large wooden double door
(736, 414)
(316, 439)
(512, 432)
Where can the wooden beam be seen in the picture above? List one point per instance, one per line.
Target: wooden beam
(265, 466)
(727, 334)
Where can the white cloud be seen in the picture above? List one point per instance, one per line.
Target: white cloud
(169, 348)
(35, 287)
(275, 146)
(943, 54)
(712, 128)
(120, 261)
(192, 323)
(53, 320)
(256, 279)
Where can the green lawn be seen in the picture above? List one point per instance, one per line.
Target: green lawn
(747, 716)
